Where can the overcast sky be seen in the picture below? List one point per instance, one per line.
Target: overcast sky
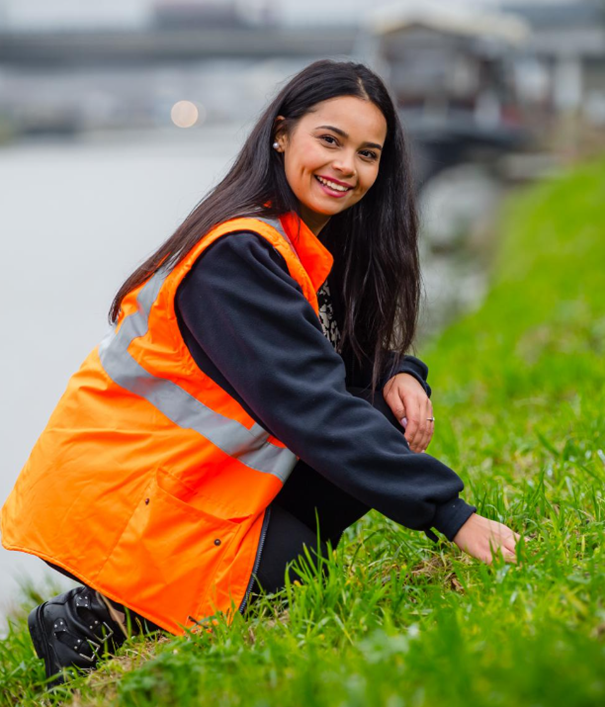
(22, 14)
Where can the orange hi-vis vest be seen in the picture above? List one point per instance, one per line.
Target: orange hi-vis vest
(150, 482)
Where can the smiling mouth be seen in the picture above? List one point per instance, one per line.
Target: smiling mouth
(332, 186)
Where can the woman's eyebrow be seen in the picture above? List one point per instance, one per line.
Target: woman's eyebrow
(346, 135)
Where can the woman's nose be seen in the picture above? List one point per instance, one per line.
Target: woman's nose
(345, 164)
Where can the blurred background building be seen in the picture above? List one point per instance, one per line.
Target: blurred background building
(117, 117)
(67, 67)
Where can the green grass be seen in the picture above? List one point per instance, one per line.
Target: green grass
(519, 397)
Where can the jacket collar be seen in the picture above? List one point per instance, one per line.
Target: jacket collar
(314, 256)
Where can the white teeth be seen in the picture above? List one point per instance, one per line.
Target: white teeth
(332, 185)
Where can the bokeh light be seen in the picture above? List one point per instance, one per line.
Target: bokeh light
(185, 114)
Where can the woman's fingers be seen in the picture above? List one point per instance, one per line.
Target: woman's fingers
(407, 419)
(395, 402)
(507, 540)
(412, 408)
(494, 549)
(430, 426)
(487, 539)
(508, 555)
(422, 432)
(413, 432)
(419, 430)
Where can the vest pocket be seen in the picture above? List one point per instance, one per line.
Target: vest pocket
(182, 496)
(168, 555)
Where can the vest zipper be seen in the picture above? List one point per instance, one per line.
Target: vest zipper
(259, 550)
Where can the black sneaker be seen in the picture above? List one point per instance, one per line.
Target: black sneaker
(75, 629)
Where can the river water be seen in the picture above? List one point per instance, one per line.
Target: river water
(76, 217)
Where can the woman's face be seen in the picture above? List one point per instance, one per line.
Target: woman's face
(335, 146)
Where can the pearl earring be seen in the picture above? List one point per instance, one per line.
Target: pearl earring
(276, 145)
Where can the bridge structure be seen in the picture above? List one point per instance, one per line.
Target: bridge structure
(145, 47)
(437, 144)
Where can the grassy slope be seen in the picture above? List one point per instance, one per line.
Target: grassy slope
(519, 400)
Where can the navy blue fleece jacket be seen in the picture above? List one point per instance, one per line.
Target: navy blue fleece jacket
(249, 327)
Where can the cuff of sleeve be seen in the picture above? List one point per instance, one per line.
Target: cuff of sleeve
(419, 365)
(451, 516)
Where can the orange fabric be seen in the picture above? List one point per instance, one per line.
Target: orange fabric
(150, 513)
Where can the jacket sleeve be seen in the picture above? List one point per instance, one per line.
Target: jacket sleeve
(252, 320)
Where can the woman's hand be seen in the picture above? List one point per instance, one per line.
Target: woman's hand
(408, 399)
(476, 535)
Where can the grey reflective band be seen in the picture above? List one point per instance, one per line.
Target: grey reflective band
(276, 224)
(249, 446)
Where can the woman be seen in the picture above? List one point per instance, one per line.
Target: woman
(235, 396)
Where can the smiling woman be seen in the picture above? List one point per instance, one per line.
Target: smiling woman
(230, 414)
(327, 157)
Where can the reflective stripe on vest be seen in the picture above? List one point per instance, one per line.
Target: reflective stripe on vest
(276, 224)
(249, 446)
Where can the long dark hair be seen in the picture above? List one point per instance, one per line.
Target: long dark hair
(374, 242)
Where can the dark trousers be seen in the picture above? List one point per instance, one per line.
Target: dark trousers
(293, 524)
